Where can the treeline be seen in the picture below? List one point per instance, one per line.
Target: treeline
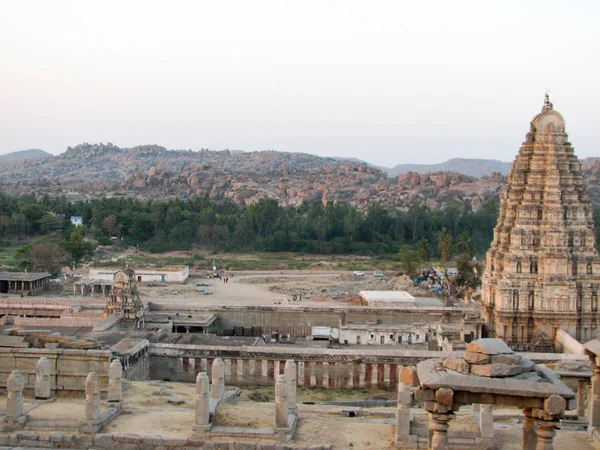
(159, 226)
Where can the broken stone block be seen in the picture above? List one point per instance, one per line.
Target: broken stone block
(511, 360)
(408, 376)
(458, 364)
(495, 370)
(489, 346)
(528, 376)
(526, 365)
(476, 358)
(176, 401)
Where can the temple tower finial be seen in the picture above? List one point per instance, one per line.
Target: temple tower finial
(547, 103)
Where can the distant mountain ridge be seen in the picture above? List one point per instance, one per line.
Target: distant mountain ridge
(151, 172)
(470, 167)
(33, 153)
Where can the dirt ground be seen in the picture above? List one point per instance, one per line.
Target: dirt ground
(149, 415)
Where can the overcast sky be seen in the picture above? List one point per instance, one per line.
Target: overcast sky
(386, 81)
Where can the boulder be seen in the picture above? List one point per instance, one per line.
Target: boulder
(476, 358)
(489, 346)
(458, 364)
(495, 370)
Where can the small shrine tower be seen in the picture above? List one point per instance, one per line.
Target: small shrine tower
(542, 269)
(125, 300)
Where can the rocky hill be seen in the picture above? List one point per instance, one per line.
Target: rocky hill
(23, 154)
(153, 172)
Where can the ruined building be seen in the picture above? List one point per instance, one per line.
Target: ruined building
(541, 271)
(124, 299)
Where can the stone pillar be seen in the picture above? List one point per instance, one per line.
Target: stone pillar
(403, 437)
(290, 377)
(476, 411)
(486, 421)
(14, 417)
(92, 397)
(529, 437)
(202, 423)
(281, 408)
(217, 388)
(438, 427)
(581, 390)
(545, 432)
(42, 379)
(115, 375)
(594, 401)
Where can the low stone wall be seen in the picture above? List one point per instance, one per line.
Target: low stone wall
(107, 323)
(68, 368)
(298, 320)
(75, 322)
(343, 368)
(128, 441)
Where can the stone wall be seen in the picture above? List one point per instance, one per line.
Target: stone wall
(68, 368)
(299, 320)
(129, 441)
(51, 322)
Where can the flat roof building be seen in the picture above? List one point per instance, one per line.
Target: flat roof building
(387, 298)
(24, 283)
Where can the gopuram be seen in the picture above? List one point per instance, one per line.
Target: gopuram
(124, 299)
(541, 267)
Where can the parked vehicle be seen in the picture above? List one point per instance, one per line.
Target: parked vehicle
(378, 274)
(358, 273)
(204, 291)
(202, 284)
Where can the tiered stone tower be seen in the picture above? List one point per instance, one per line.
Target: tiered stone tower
(541, 271)
(124, 299)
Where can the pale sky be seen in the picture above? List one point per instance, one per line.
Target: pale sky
(385, 81)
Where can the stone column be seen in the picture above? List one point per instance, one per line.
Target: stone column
(202, 423)
(403, 437)
(528, 437)
(486, 421)
(14, 416)
(115, 375)
(217, 388)
(92, 397)
(438, 426)
(581, 390)
(281, 408)
(594, 401)
(545, 432)
(290, 377)
(42, 379)
(90, 424)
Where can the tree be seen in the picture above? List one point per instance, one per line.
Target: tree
(47, 257)
(444, 246)
(410, 260)
(80, 250)
(111, 226)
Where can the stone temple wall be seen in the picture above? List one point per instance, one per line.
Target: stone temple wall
(68, 368)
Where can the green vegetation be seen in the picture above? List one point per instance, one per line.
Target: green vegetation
(160, 226)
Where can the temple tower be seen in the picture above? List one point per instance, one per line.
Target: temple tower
(124, 299)
(541, 269)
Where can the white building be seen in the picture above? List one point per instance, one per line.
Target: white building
(77, 220)
(169, 274)
(385, 334)
(387, 299)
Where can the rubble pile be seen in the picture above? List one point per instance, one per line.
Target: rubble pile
(492, 358)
